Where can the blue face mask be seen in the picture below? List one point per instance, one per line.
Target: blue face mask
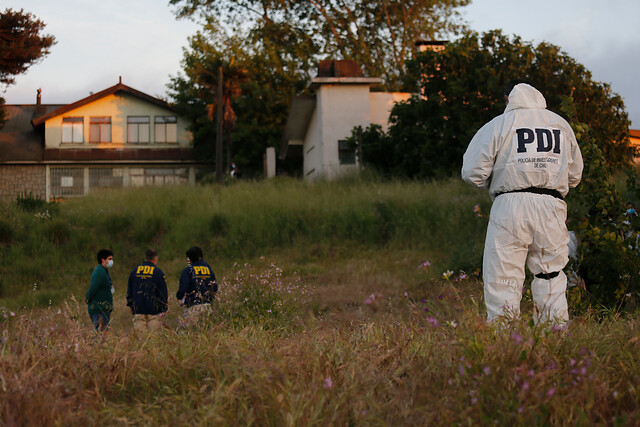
(631, 211)
(110, 263)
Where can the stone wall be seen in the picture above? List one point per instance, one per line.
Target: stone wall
(16, 179)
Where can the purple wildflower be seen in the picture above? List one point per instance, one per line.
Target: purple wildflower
(517, 338)
(424, 265)
(327, 383)
(433, 322)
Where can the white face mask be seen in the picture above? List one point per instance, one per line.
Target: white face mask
(110, 263)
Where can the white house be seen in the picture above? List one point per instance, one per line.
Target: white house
(318, 125)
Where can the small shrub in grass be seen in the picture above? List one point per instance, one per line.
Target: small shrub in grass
(58, 231)
(150, 229)
(118, 223)
(29, 202)
(261, 297)
(6, 233)
(219, 225)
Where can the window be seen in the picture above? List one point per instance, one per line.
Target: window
(67, 182)
(138, 129)
(105, 178)
(72, 129)
(100, 129)
(346, 152)
(166, 129)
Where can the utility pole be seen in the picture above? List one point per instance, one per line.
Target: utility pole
(219, 117)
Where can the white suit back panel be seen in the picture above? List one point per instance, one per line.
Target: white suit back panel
(527, 146)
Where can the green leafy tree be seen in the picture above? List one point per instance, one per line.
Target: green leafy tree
(279, 43)
(21, 45)
(262, 76)
(463, 85)
(379, 35)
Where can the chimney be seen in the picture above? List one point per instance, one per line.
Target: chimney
(40, 109)
(119, 79)
(339, 68)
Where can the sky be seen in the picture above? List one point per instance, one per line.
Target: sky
(141, 40)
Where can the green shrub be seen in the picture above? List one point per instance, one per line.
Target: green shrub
(219, 225)
(609, 250)
(29, 202)
(261, 297)
(118, 224)
(58, 231)
(6, 233)
(150, 229)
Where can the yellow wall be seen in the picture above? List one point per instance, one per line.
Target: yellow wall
(117, 106)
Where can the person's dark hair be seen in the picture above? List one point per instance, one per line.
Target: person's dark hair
(509, 87)
(150, 254)
(194, 253)
(103, 254)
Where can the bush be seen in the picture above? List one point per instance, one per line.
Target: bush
(58, 231)
(29, 202)
(150, 229)
(609, 250)
(6, 233)
(264, 297)
(118, 224)
(219, 225)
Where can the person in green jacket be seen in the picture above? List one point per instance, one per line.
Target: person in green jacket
(99, 297)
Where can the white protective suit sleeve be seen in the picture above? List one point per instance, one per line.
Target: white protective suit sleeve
(480, 156)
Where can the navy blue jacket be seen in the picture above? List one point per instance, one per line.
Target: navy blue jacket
(147, 290)
(197, 284)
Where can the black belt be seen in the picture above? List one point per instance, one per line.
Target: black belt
(548, 276)
(536, 190)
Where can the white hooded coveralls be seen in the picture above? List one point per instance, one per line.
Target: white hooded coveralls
(526, 147)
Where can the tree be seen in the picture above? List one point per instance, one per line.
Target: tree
(279, 43)
(272, 71)
(463, 85)
(379, 35)
(21, 45)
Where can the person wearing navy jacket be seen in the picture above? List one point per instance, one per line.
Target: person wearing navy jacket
(147, 294)
(198, 284)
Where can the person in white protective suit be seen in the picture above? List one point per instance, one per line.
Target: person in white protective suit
(527, 158)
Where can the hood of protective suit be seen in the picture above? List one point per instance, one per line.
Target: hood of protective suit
(525, 96)
(526, 146)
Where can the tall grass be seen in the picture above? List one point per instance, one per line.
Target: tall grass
(54, 249)
(356, 325)
(400, 366)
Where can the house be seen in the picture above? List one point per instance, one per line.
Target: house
(114, 138)
(318, 125)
